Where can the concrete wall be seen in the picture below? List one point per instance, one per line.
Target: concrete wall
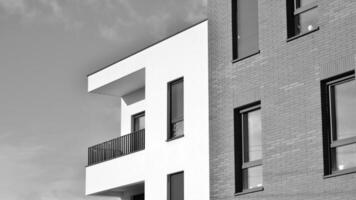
(131, 104)
(285, 76)
(183, 55)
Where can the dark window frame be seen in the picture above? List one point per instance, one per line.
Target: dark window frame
(169, 183)
(133, 117)
(234, 21)
(169, 108)
(292, 12)
(239, 141)
(329, 121)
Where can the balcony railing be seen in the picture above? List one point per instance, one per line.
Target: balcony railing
(117, 147)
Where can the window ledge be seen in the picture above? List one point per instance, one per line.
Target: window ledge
(341, 172)
(243, 58)
(248, 191)
(174, 138)
(302, 34)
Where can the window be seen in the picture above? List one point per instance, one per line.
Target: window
(175, 109)
(176, 186)
(138, 197)
(245, 28)
(248, 148)
(301, 17)
(339, 123)
(138, 122)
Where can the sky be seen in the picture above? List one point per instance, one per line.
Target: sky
(47, 119)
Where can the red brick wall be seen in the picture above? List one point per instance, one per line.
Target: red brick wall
(285, 76)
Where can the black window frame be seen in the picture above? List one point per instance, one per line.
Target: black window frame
(235, 33)
(329, 123)
(169, 183)
(169, 109)
(239, 140)
(292, 12)
(133, 117)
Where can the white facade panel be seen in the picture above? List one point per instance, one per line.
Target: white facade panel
(183, 55)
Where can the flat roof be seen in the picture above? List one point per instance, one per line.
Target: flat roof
(159, 41)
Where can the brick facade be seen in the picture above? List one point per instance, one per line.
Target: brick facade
(285, 76)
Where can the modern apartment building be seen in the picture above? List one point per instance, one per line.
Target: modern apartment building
(163, 149)
(282, 99)
(257, 103)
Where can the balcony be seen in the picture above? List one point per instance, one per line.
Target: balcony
(117, 147)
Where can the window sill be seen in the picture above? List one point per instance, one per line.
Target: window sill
(243, 58)
(341, 172)
(302, 34)
(174, 138)
(248, 191)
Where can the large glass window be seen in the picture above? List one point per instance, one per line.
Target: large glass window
(248, 148)
(176, 186)
(339, 123)
(302, 17)
(176, 108)
(245, 28)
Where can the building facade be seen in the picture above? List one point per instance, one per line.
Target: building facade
(282, 99)
(257, 103)
(163, 150)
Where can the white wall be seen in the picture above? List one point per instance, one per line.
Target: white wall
(184, 55)
(131, 104)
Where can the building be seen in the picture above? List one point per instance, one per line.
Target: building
(163, 149)
(282, 99)
(273, 85)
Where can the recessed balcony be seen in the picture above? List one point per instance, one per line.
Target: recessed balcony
(117, 147)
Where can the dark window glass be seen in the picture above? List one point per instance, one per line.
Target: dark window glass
(339, 123)
(302, 17)
(248, 148)
(245, 28)
(138, 122)
(139, 197)
(176, 108)
(176, 186)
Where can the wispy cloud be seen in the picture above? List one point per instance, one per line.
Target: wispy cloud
(114, 20)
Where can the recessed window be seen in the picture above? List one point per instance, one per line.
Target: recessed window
(248, 148)
(175, 109)
(302, 17)
(176, 186)
(245, 28)
(339, 123)
(138, 121)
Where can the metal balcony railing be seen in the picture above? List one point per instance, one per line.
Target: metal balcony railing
(117, 147)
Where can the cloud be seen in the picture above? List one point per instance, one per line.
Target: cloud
(39, 11)
(120, 21)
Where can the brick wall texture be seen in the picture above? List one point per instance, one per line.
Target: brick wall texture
(285, 76)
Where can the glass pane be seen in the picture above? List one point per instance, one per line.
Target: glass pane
(301, 3)
(177, 101)
(139, 122)
(306, 21)
(253, 144)
(176, 187)
(344, 157)
(247, 27)
(345, 108)
(177, 129)
(252, 177)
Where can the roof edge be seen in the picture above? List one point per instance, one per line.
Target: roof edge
(159, 41)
